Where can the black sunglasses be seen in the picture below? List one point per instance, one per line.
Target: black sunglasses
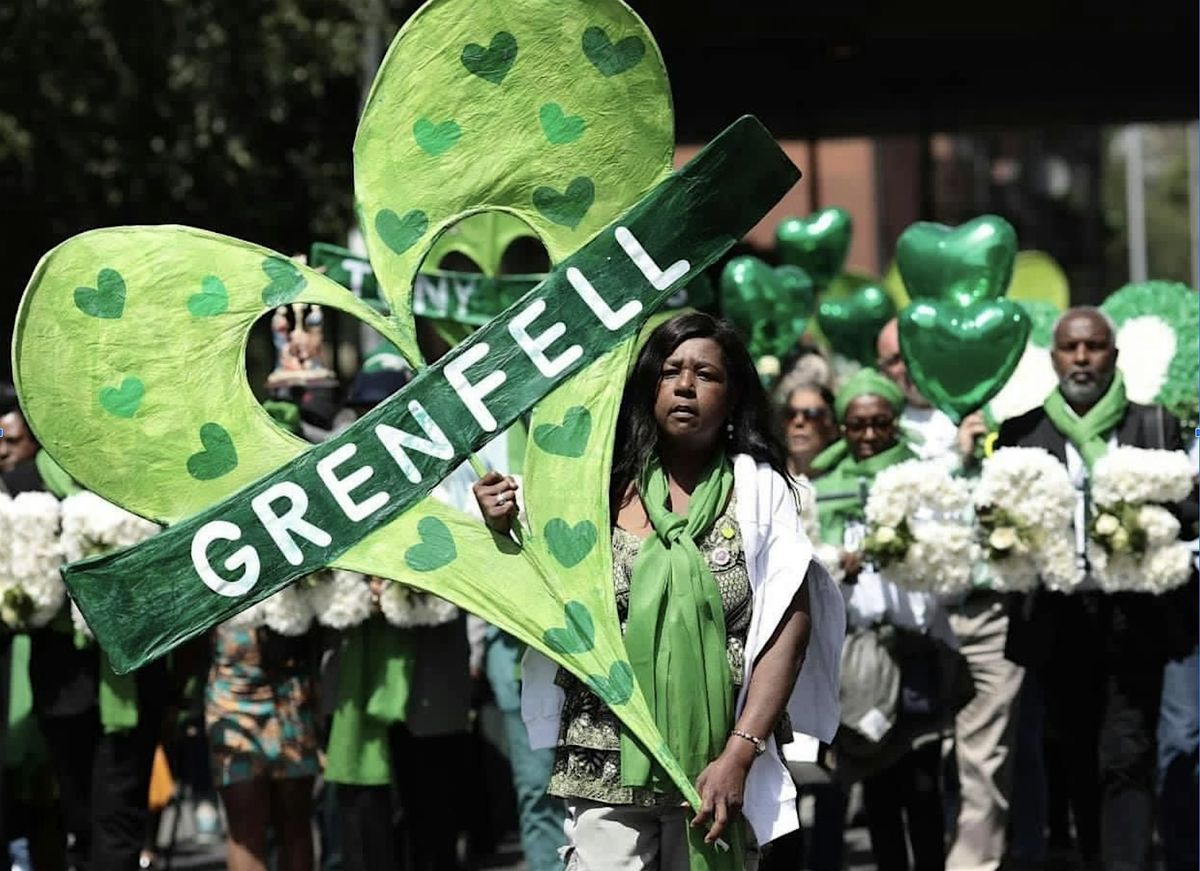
(810, 413)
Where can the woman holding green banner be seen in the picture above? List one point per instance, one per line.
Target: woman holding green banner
(710, 568)
(887, 739)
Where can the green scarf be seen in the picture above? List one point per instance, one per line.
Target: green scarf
(1087, 432)
(843, 484)
(374, 679)
(675, 638)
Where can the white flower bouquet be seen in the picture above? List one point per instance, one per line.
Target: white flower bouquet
(1133, 543)
(342, 599)
(918, 528)
(31, 588)
(1024, 507)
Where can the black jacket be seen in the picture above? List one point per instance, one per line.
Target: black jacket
(1069, 630)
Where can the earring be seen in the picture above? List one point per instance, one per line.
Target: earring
(729, 430)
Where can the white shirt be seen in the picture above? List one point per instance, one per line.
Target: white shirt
(1077, 471)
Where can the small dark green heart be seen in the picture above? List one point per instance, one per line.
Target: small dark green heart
(492, 63)
(570, 544)
(125, 400)
(852, 323)
(436, 548)
(769, 306)
(219, 456)
(612, 59)
(960, 356)
(817, 244)
(969, 263)
(286, 281)
(213, 298)
(568, 439)
(436, 139)
(579, 634)
(569, 207)
(105, 300)
(617, 688)
(559, 127)
(398, 233)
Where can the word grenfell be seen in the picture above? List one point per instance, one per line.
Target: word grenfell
(307, 513)
(281, 508)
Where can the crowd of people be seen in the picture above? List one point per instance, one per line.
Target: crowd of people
(971, 732)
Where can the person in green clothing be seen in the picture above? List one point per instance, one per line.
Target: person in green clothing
(868, 408)
(901, 782)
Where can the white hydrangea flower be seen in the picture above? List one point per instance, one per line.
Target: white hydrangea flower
(340, 599)
(1159, 524)
(289, 611)
(34, 558)
(1128, 474)
(403, 606)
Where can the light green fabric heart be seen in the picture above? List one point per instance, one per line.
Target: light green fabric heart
(569, 207)
(570, 544)
(579, 633)
(125, 400)
(436, 549)
(559, 127)
(212, 300)
(106, 300)
(492, 63)
(612, 59)
(568, 439)
(286, 281)
(219, 456)
(436, 139)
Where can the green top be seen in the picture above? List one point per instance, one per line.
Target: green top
(841, 492)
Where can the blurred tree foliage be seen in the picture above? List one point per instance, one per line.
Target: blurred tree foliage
(237, 117)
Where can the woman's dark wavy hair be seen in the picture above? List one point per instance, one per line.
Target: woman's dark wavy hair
(754, 429)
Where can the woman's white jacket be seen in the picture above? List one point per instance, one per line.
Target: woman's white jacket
(779, 558)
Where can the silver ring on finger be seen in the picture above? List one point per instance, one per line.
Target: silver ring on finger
(501, 500)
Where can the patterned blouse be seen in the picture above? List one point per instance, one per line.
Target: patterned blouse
(588, 761)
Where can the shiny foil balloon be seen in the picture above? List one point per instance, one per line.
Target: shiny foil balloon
(769, 306)
(851, 320)
(817, 244)
(966, 264)
(960, 356)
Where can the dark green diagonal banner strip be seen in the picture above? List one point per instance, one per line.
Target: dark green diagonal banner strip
(304, 515)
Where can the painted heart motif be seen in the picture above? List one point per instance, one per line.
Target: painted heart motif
(570, 544)
(398, 233)
(106, 300)
(212, 300)
(569, 207)
(960, 356)
(436, 548)
(852, 323)
(492, 63)
(219, 456)
(559, 127)
(579, 634)
(568, 439)
(966, 264)
(286, 281)
(436, 139)
(609, 58)
(770, 307)
(817, 244)
(617, 687)
(125, 400)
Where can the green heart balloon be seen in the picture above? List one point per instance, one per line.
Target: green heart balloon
(960, 356)
(851, 319)
(817, 244)
(770, 307)
(969, 263)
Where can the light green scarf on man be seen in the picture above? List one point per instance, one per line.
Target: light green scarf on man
(1088, 432)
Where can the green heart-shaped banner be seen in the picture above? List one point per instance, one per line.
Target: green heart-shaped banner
(817, 244)
(960, 356)
(851, 320)
(966, 264)
(359, 500)
(770, 307)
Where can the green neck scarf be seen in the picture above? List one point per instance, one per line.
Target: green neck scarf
(374, 680)
(675, 638)
(838, 499)
(1087, 432)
